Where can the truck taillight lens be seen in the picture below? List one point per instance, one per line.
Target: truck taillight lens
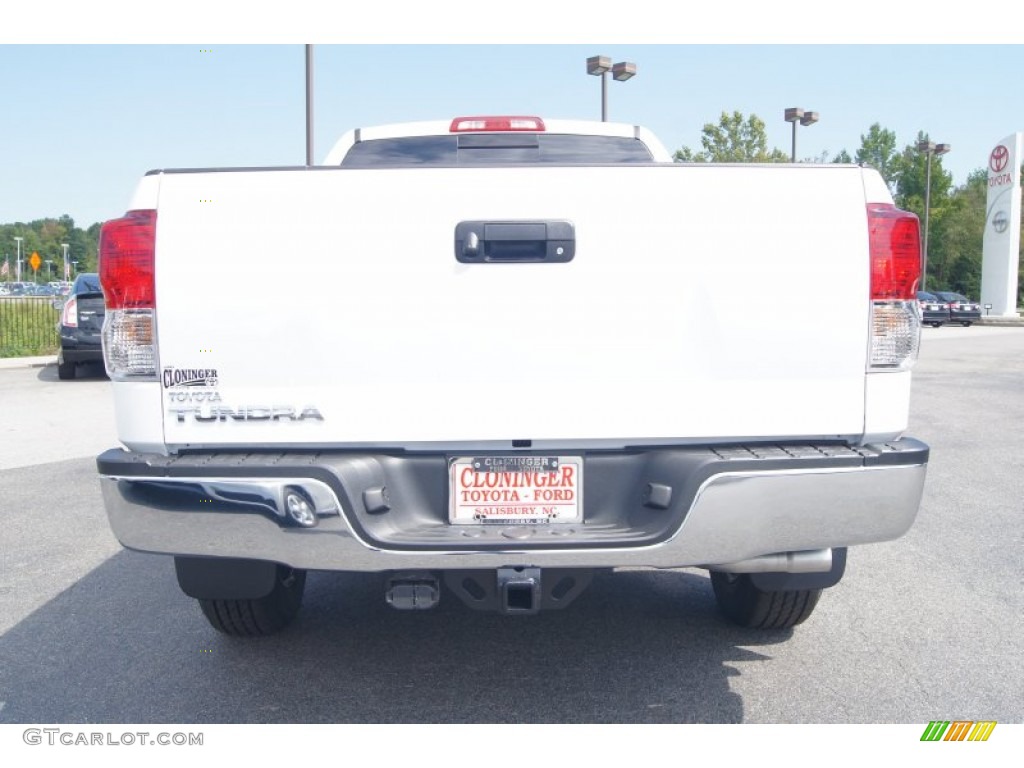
(127, 256)
(894, 238)
(895, 335)
(895, 245)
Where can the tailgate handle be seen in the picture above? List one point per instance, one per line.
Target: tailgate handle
(515, 242)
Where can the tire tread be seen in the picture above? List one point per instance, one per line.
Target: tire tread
(746, 605)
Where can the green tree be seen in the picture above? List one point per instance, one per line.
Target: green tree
(45, 236)
(878, 150)
(965, 276)
(842, 157)
(735, 139)
(911, 177)
(955, 243)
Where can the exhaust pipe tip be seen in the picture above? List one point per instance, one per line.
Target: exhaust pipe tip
(810, 561)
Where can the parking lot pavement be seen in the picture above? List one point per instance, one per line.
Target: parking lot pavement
(928, 626)
(973, 332)
(43, 419)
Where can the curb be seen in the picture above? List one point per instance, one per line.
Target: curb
(27, 362)
(1002, 322)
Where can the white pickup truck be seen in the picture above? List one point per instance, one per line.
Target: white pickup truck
(486, 357)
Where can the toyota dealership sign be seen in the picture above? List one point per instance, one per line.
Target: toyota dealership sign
(1002, 228)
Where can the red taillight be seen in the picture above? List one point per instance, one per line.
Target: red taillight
(895, 246)
(69, 316)
(127, 256)
(489, 123)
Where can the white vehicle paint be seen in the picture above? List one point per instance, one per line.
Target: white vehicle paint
(674, 306)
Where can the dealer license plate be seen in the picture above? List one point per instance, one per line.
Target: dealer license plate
(515, 490)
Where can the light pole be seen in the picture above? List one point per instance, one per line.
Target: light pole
(74, 265)
(929, 148)
(17, 261)
(309, 105)
(49, 267)
(600, 66)
(795, 114)
(65, 247)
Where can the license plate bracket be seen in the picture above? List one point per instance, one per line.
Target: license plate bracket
(515, 490)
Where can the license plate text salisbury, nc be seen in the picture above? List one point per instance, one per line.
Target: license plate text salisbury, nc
(516, 490)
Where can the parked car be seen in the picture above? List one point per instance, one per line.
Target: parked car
(961, 309)
(934, 311)
(80, 324)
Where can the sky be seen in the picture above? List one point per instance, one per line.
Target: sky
(85, 116)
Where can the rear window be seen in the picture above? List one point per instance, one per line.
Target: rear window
(478, 149)
(87, 284)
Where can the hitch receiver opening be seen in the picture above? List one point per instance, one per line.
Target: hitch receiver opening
(519, 589)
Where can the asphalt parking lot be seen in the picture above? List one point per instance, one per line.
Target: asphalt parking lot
(927, 627)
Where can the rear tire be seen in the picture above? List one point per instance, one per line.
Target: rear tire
(65, 370)
(966, 325)
(745, 604)
(260, 616)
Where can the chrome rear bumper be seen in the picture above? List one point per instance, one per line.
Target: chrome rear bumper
(729, 507)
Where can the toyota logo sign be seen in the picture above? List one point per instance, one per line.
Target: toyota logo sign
(997, 160)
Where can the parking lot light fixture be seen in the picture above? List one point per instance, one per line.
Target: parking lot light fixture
(600, 66)
(623, 71)
(17, 261)
(796, 115)
(929, 148)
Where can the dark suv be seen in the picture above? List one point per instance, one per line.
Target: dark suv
(81, 320)
(934, 311)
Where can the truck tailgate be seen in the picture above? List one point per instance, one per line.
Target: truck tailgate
(327, 306)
